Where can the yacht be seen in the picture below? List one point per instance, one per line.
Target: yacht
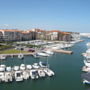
(18, 76)
(48, 72)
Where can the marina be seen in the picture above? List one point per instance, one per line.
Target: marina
(29, 73)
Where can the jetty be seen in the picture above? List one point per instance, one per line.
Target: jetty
(63, 51)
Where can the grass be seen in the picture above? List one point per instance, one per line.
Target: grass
(12, 51)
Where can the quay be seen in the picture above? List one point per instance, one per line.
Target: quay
(63, 51)
(16, 54)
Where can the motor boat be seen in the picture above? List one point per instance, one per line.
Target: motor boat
(36, 55)
(86, 69)
(16, 68)
(2, 77)
(87, 63)
(8, 77)
(8, 69)
(43, 64)
(2, 57)
(20, 56)
(41, 73)
(2, 68)
(34, 74)
(42, 54)
(48, 72)
(22, 67)
(18, 76)
(48, 52)
(25, 75)
(29, 67)
(35, 66)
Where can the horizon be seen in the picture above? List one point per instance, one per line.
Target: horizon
(64, 15)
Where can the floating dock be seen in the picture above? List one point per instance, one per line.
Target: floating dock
(63, 51)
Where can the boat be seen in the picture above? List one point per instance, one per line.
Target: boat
(20, 56)
(16, 68)
(48, 72)
(87, 63)
(2, 68)
(48, 52)
(36, 55)
(34, 74)
(2, 57)
(22, 67)
(43, 64)
(86, 78)
(41, 73)
(42, 54)
(29, 67)
(8, 77)
(8, 69)
(2, 78)
(18, 76)
(35, 66)
(85, 69)
(25, 75)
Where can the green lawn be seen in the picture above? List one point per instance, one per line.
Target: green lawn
(12, 51)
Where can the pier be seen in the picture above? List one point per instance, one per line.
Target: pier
(63, 51)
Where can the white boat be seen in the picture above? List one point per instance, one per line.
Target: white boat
(2, 57)
(2, 77)
(16, 68)
(42, 54)
(8, 68)
(48, 72)
(87, 63)
(8, 77)
(86, 69)
(2, 68)
(41, 73)
(25, 75)
(34, 74)
(22, 67)
(43, 64)
(36, 55)
(48, 52)
(18, 76)
(20, 56)
(29, 67)
(35, 65)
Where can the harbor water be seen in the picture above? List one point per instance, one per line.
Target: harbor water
(67, 70)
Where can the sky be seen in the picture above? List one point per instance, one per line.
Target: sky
(64, 15)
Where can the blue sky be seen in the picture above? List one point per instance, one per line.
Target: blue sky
(65, 15)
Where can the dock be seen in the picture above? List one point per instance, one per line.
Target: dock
(16, 54)
(62, 51)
